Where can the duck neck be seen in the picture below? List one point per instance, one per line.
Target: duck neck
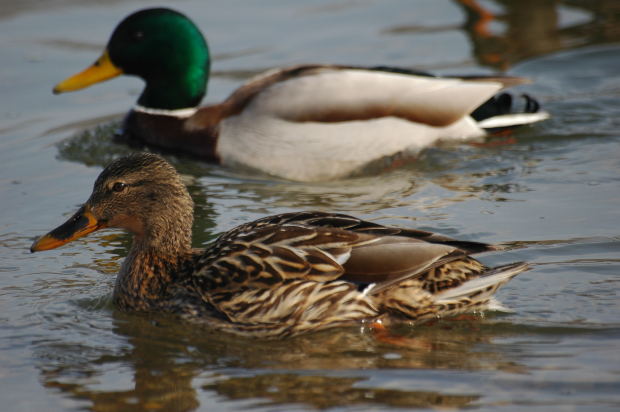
(150, 268)
(175, 90)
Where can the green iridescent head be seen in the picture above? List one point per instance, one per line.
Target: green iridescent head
(161, 46)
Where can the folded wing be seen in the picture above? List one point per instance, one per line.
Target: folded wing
(337, 94)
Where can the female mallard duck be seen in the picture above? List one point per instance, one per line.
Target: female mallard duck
(305, 123)
(278, 276)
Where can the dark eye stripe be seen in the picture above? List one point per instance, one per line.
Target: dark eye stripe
(139, 183)
(120, 186)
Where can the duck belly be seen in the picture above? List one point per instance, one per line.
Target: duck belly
(317, 151)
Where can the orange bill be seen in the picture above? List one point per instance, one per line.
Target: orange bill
(102, 69)
(80, 224)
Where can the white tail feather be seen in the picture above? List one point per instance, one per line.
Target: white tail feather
(494, 277)
(514, 119)
(495, 305)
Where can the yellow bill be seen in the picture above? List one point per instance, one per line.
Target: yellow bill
(102, 69)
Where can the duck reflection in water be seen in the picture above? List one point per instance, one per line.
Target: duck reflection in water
(164, 365)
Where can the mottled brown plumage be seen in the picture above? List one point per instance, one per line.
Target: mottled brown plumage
(277, 276)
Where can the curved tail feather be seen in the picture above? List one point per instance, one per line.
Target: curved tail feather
(499, 112)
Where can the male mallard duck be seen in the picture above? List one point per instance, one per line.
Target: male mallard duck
(277, 276)
(305, 123)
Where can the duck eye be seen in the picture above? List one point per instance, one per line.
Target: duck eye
(138, 35)
(119, 186)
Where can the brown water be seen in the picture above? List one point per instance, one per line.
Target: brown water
(553, 192)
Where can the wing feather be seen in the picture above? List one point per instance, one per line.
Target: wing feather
(351, 223)
(346, 94)
(295, 268)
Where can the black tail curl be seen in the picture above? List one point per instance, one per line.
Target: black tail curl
(502, 104)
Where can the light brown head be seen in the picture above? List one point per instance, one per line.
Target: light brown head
(141, 193)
